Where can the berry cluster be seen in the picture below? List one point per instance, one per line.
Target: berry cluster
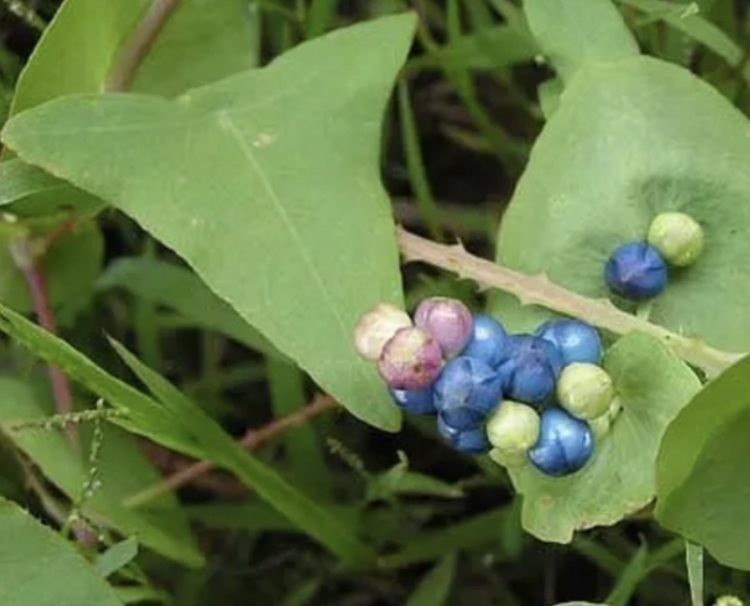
(539, 397)
(638, 270)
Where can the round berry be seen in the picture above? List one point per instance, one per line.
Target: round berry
(415, 401)
(678, 237)
(509, 458)
(410, 360)
(468, 441)
(377, 327)
(489, 341)
(448, 320)
(466, 392)
(576, 341)
(530, 373)
(513, 427)
(585, 390)
(565, 444)
(636, 271)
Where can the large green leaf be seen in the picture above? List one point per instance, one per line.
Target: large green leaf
(123, 470)
(576, 32)
(703, 491)
(178, 288)
(653, 386)
(260, 217)
(178, 423)
(38, 568)
(631, 139)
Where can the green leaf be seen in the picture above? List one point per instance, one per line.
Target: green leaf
(174, 287)
(302, 594)
(701, 477)
(19, 180)
(117, 556)
(574, 33)
(259, 218)
(41, 569)
(652, 386)
(123, 469)
(629, 140)
(434, 588)
(202, 42)
(628, 580)
(177, 423)
(398, 480)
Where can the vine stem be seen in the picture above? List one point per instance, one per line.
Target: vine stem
(539, 290)
(253, 439)
(140, 44)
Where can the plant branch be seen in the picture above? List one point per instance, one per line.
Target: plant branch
(253, 439)
(140, 44)
(538, 290)
(24, 258)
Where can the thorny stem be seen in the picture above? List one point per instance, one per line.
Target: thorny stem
(140, 44)
(253, 439)
(538, 290)
(24, 258)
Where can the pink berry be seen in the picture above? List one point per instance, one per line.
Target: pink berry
(448, 320)
(377, 327)
(410, 360)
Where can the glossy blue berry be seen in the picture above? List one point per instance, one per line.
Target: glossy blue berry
(415, 401)
(466, 392)
(530, 373)
(565, 444)
(468, 441)
(489, 341)
(636, 271)
(576, 341)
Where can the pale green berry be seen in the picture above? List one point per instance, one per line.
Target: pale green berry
(585, 390)
(728, 600)
(513, 427)
(509, 458)
(678, 237)
(600, 426)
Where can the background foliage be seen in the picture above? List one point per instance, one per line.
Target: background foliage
(209, 241)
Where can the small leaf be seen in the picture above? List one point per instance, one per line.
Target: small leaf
(702, 481)
(434, 588)
(652, 386)
(117, 556)
(260, 217)
(574, 33)
(41, 569)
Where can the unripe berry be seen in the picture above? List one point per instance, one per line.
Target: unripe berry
(448, 320)
(489, 341)
(678, 237)
(410, 360)
(576, 341)
(513, 427)
(466, 392)
(585, 390)
(530, 372)
(415, 401)
(565, 444)
(509, 458)
(377, 327)
(636, 271)
(468, 441)
(600, 426)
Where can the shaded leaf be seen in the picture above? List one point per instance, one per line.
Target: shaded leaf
(652, 386)
(40, 569)
(434, 588)
(117, 556)
(260, 217)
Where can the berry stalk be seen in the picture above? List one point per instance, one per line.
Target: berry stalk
(539, 290)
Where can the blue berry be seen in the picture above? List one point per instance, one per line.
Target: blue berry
(415, 401)
(636, 271)
(489, 341)
(469, 441)
(530, 373)
(466, 392)
(565, 444)
(576, 341)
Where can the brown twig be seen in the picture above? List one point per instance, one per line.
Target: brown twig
(253, 439)
(539, 290)
(25, 260)
(140, 43)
